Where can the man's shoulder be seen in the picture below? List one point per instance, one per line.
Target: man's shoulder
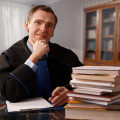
(18, 51)
(19, 43)
(64, 55)
(58, 48)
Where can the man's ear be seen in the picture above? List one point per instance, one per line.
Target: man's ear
(26, 25)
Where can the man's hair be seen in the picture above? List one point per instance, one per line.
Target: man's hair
(44, 8)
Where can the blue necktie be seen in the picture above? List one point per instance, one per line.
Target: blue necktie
(43, 83)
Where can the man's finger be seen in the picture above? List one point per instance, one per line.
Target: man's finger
(61, 101)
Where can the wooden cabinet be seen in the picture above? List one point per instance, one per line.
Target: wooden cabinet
(102, 34)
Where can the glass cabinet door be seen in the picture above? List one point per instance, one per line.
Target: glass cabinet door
(118, 45)
(90, 35)
(107, 34)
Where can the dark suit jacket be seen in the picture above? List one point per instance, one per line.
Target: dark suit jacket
(17, 80)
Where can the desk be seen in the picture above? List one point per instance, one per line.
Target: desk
(55, 115)
(59, 115)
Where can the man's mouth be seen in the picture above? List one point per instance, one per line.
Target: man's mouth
(41, 35)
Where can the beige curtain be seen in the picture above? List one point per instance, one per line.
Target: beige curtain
(12, 17)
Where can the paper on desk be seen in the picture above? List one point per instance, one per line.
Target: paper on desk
(32, 103)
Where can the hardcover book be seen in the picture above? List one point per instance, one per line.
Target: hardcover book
(91, 114)
(89, 91)
(111, 78)
(91, 34)
(99, 102)
(97, 70)
(93, 82)
(105, 97)
(96, 87)
(85, 105)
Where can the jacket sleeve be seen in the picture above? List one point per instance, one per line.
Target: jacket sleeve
(16, 83)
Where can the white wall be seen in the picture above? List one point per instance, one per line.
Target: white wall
(70, 28)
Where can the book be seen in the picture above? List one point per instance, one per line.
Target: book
(85, 105)
(110, 45)
(105, 97)
(99, 102)
(90, 54)
(2, 106)
(91, 44)
(109, 68)
(93, 20)
(111, 78)
(106, 31)
(38, 103)
(95, 91)
(97, 70)
(91, 114)
(97, 87)
(92, 82)
(91, 34)
(89, 91)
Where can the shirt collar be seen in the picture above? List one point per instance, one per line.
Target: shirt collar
(29, 46)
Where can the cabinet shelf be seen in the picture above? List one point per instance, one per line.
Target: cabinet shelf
(109, 21)
(106, 50)
(91, 26)
(89, 39)
(108, 37)
(101, 38)
(90, 50)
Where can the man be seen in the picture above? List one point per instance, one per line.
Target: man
(34, 66)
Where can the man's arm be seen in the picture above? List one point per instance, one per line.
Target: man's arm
(15, 83)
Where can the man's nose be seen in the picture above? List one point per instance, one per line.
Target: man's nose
(43, 27)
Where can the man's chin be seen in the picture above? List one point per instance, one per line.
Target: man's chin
(41, 40)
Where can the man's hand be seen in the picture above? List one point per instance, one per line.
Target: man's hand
(40, 48)
(59, 96)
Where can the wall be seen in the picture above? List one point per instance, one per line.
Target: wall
(70, 29)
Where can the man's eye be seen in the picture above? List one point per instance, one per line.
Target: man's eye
(38, 22)
(49, 25)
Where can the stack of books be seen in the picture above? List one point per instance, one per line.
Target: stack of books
(91, 114)
(95, 87)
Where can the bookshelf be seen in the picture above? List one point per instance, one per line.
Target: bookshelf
(102, 34)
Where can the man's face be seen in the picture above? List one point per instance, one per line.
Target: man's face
(41, 26)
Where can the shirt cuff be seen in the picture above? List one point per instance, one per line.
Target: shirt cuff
(31, 65)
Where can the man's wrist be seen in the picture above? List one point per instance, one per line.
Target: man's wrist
(31, 65)
(33, 59)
